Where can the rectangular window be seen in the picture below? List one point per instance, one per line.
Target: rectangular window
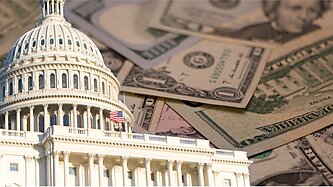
(130, 174)
(72, 171)
(152, 176)
(13, 167)
(227, 182)
(106, 173)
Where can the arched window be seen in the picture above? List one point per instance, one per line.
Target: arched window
(95, 85)
(66, 120)
(11, 88)
(52, 81)
(28, 123)
(75, 81)
(103, 88)
(30, 83)
(3, 91)
(79, 121)
(41, 124)
(53, 119)
(86, 83)
(41, 81)
(20, 85)
(64, 80)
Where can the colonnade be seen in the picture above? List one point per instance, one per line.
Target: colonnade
(202, 170)
(85, 117)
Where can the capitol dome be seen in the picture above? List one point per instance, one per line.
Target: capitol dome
(55, 75)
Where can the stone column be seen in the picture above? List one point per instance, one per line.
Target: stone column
(100, 169)
(200, 174)
(36, 171)
(66, 167)
(101, 121)
(88, 117)
(91, 169)
(239, 180)
(27, 159)
(75, 116)
(6, 120)
(55, 168)
(147, 166)
(31, 118)
(209, 174)
(170, 169)
(46, 117)
(216, 175)
(2, 171)
(179, 172)
(49, 169)
(125, 169)
(246, 179)
(60, 116)
(18, 119)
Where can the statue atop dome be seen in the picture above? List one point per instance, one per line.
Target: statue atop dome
(52, 8)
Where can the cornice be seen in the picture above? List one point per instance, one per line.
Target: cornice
(134, 145)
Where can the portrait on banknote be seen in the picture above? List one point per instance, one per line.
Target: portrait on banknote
(264, 21)
(287, 20)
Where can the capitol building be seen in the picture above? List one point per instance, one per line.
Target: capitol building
(56, 129)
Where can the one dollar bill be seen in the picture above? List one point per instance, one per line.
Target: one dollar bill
(294, 98)
(208, 72)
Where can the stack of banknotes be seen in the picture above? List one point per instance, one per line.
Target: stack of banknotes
(247, 75)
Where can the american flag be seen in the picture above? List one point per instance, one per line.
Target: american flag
(117, 116)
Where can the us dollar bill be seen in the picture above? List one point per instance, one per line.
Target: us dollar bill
(308, 161)
(208, 72)
(123, 26)
(294, 98)
(16, 17)
(263, 21)
(146, 110)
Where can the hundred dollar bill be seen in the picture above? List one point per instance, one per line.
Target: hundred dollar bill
(208, 72)
(307, 161)
(16, 17)
(123, 26)
(264, 21)
(294, 98)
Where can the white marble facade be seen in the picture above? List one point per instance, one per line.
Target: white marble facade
(55, 130)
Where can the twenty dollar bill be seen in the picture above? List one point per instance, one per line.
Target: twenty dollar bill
(294, 98)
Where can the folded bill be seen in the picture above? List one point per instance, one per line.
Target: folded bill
(208, 72)
(123, 26)
(294, 98)
(264, 21)
(307, 161)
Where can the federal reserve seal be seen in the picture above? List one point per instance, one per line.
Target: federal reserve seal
(199, 60)
(224, 4)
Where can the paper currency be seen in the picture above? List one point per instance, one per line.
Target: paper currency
(208, 72)
(171, 124)
(307, 161)
(16, 17)
(294, 98)
(123, 26)
(265, 21)
(146, 110)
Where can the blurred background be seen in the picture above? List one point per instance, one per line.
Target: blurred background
(247, 75)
